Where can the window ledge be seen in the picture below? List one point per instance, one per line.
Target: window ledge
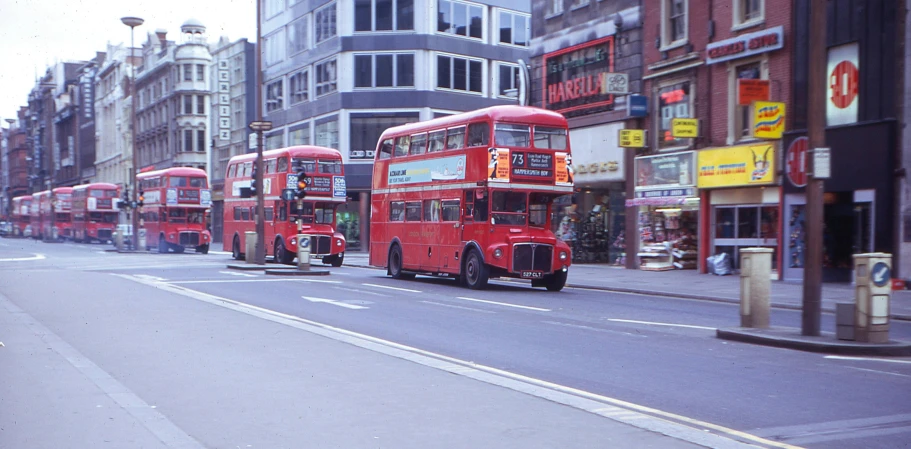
(577, 7)
(552, 15)
(673, 45)
(749, 24)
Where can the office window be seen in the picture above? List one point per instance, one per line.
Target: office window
(748, 11)
(299, 136)
(200, 72)
(188, 72)
(383, 15)
(273, 141)
(275, 99)
(299, 86)
(272, 7)
(514, 28)
(673, 102)
(298, 35)
(327, 134)
(188, 140)
(201, 140)
(459, 74)
(200, 104)
(324, 23)
(274, 48)
(187, 104)
(384, 70)
(673, 23)
(365, 130)
(326, 78)
(554, 7)
(460, 18)
(508, 80)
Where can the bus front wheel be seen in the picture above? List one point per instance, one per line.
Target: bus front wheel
(235, 249)
(335, 261)
(162, 244)
(475, 273)
(281, 254)
(395, 264)
(555, 282)
(203, 249)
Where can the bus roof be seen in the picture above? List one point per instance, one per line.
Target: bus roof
(175, 171)
(42, 194)
(506, 114)
(63, 190)
(23, 198)
(97, 185)
(295, 151)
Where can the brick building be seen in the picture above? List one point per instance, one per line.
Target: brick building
(719, 191)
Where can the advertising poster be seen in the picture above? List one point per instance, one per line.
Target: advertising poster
(440, 169)
(843, 79)
(498, 165)
(564, 169)
(664, 171)
(339, 188)
(736, 166)
(768, 120)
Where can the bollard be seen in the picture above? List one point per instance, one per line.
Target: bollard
(118, 240)
(141, 244)
(872, 294)
(755, 286)
(303, 252)
(250, 246)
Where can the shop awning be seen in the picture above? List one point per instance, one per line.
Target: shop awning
(658, 201)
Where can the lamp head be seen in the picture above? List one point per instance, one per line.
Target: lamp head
(132, 21)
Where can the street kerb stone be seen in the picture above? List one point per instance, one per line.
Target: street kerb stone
(791, 338)
(246, 266)
(296, 272)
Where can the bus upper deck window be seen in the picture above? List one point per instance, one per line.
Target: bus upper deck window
(436, 141)
(418, 143)
(550, 138)
(455, 138)
(478, 135)
(401, 145)
(386, 149)
(509, 135)
(282, 165)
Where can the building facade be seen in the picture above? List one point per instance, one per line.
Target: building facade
(338, 73)
(114, 145)
(74, 124)
(233, 108)
(173, 100)
(904, 187)
(576, 48)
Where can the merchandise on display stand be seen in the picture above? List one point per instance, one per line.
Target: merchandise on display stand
(668, 239)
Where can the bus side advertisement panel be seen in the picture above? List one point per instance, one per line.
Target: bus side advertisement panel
(427, 170)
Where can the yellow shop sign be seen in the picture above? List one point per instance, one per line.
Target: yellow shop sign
(768, 120)
(736, 166)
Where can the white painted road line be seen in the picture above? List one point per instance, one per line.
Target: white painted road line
(335, 303)
(868, 359)
(21, 259)
(452, 306)
(505, 304)
(652, 323)
(151, 278)
(393, 288)
(234, 273)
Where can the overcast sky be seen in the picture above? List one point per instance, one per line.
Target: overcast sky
(36, 33)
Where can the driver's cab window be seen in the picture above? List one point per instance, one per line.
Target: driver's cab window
(480, 206)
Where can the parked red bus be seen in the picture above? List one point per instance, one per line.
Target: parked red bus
(42, 218)
(40, 214)
(176, 202)
(94, 211)
(317, 216)
(21, 216)
(471, 196)
(63, 221)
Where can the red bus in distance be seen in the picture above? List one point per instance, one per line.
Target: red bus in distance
(62, 222)
(471, 195)
(175, 204)
(21, 216)
(94, 212)
(327, 190)
(40, 214)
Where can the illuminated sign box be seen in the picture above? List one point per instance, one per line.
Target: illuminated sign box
(575, 78)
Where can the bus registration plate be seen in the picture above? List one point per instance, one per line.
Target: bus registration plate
(532, 274)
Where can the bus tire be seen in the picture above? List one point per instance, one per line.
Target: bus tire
(395, 264)
(555, 282)
(162, 245)
(336, 260)
(203, 249)
(281, 254)
(475, 273)
(235, 249)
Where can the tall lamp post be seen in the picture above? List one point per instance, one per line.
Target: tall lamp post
(133, 22)
(260, 255)
(6, 193)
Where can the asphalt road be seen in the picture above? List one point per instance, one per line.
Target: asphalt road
(657, 354)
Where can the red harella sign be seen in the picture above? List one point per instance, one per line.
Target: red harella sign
(575, 77)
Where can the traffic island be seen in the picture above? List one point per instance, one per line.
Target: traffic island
(296, 272)
(826, 342)
(246, 266)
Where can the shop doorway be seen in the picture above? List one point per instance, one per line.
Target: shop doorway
(745, 226)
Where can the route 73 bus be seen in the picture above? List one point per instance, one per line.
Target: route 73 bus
(471, 196)
(94, 214)
(175, 203)
(325, 192)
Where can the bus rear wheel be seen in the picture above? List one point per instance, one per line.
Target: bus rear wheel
(475, 273)
(555, 282)
(395, 264)
(281, 254)
(235, 248)
(162, 245)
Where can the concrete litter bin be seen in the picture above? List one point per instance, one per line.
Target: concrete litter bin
(755, 286)
(872, 297)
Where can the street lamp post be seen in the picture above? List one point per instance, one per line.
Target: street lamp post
(259, 254)
(133, 22)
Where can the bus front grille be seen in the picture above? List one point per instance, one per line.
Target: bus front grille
(189, 239)
(322, 244)
(104, 233)
(532, 257)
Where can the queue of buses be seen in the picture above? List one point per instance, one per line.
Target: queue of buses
(468, 196)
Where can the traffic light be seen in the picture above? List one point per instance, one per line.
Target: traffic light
(141, 197)
(253, 181)
(302, 182)
(125, 201)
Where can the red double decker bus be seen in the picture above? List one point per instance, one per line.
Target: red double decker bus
(471, 195)
(94, 211)
(326, 191)
(63, 209)
(40, 214)
(21, 215)
(175, 206)
(61, 226)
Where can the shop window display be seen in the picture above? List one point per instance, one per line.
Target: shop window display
(596, 235)
(668, 238)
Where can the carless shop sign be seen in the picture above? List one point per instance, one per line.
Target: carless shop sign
(575, 77)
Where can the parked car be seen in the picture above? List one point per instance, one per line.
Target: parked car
(6, 228)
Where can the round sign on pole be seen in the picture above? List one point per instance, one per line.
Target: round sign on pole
(796, 162)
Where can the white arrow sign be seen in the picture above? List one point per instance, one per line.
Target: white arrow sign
(334, 302)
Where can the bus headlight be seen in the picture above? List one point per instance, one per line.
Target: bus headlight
(563, 255)
(338, 243)
(171, 236)
(293, 241)
(498, 253)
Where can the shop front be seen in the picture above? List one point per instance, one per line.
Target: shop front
(591, 221)
(667, 206)
(738, 185)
